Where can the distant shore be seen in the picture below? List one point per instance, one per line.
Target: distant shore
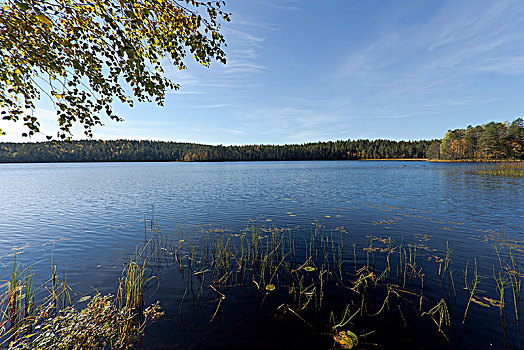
(473, 160)
(159, 151)
(270, 160)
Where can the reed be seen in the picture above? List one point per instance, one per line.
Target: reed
(303, 275)
(45, 317)
(17, 304)
(443, 319)
(299, 276)
(471, 287)
(217, 263)
(509, 169)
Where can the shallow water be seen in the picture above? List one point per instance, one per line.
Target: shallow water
(87, 216)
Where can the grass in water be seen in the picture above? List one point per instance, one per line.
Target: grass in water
(300, 277)
(509, 169)
(293, 273)
(45, 317)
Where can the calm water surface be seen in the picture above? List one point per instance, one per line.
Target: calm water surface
(88, 215)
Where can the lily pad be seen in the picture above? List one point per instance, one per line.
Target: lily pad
(346, 339)
(309, 269)
(270, 287)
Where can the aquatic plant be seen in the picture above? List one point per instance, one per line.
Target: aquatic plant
(97, 326)
(303, 277)
(509, 169)
(293, 271)
(46, 318)
(441, 309)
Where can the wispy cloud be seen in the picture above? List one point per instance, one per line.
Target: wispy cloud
(440, 59)
(181, 92)
(244, 67)
(223, 105)
(285, 5)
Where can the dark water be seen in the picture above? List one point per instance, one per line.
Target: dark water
(88, 216)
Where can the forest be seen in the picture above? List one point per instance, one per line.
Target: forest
(483, 142)
(129, 150)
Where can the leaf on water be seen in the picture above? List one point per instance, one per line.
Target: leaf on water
(346, 339)
(270, 287)
(309, 268)
(84, 299)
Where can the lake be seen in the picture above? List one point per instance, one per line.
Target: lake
(87, 216)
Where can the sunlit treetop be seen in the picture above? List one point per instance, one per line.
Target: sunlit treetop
(83, 55)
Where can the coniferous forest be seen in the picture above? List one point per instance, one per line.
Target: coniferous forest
(483, 142)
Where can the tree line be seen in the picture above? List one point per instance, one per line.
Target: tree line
(130, 150)
(482, 142)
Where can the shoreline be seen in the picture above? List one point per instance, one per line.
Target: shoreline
(282, 160)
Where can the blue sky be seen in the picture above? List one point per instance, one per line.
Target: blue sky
(305, 71)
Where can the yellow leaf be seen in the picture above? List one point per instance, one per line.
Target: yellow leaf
(270, 287)
(309, 269)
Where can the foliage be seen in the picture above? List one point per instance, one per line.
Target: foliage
(97, 326)
(44, 317)
(86, 54)
(126, 150)
(489, 141)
